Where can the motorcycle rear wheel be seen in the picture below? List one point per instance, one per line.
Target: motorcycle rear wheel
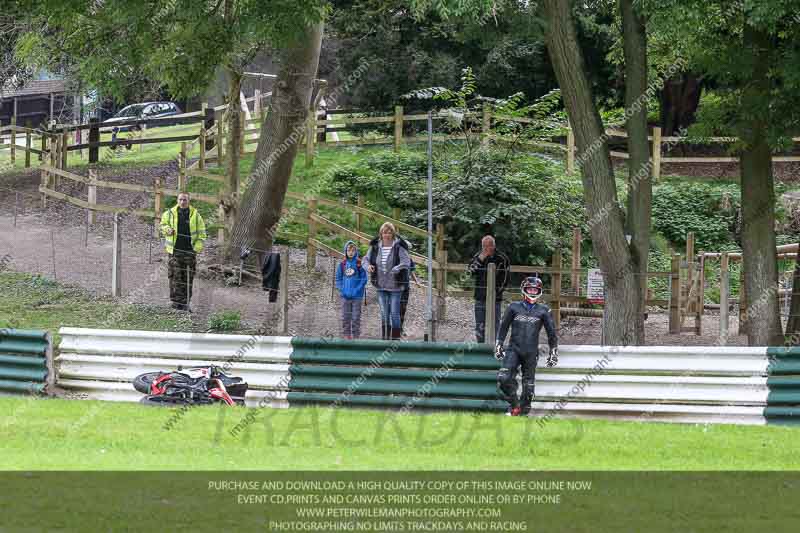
(142, 382)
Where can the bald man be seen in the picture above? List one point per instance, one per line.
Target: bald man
(479, 267)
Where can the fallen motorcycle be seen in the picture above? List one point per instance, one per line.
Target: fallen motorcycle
(201, 385)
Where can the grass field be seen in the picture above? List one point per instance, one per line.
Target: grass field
(69, 434)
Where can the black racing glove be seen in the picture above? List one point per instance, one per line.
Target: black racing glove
(498, 351)
(552, 359)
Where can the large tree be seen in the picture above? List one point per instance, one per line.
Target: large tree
(752, 51)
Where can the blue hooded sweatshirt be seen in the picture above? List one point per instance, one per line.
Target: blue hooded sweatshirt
(350, 279)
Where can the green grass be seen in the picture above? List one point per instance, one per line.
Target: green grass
(34, 302)
(91, 435)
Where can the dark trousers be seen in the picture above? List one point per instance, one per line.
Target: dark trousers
(507, 378)
(480, 321)
(182, 266)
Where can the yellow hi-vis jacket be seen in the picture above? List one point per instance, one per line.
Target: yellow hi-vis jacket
(196, 227)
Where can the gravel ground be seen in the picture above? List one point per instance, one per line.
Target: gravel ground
(55, 243)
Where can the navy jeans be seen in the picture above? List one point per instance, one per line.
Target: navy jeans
(390, 307)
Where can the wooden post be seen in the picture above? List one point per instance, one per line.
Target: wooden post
(359, 216)
(396, 213)
(724, 291)
(675, 295)
(311, 249)
(284, 291)
(44, 181)
(486, 125)
(116, 259)
(182, 168)
(311, 128)
(201, 164)
(91, 197)
(743, 318)
(64, 147)
(28, 145)
(94, 137)
(142, 135)
(257, 104)
(656, 153)
(220, 138)
(158, 199)
(441, 257)
(491, 296)
(575, 280)
(701, 300)
(398, 127)
(44, 147)
(14, 138)
(555, 299)
(570, 150)
(221, 229)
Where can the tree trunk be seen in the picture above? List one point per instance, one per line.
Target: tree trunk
(758, 211)
(640, 190)
(623, 321)
(680, 98)
(233, 144)
(263, 193)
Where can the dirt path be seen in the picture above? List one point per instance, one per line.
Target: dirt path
(55, 244)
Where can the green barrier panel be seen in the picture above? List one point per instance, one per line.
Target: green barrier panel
(784, 397)
(23, 374)
(396, 359)
(788, 352)
(401, 373)
(365, 400)
(25, 360)
(21, 386)
(784, 367)
(395, 386)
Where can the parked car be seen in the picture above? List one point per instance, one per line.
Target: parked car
(146, 110)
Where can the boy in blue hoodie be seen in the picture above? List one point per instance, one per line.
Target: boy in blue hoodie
(351, 279)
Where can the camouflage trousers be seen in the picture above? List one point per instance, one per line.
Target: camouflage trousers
(182, 266)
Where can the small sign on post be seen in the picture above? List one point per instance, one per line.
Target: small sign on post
(595, 291)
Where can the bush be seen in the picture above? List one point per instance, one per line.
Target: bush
(228, 320)
(679, 208)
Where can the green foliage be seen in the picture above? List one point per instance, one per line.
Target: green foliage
(681, 207)
(227, 320)
(526, 201)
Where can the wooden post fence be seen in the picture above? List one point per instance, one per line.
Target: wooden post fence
(441, 285)
(743, 320)
(675, 295)
(656, 153)
(94, 137)
(64, 147)
(116, 259)
(13, 139)
(724, 291)
(201, 163)
(311, 129)
(701, 284)
(398, 127)
(91, 194)
(555, 300)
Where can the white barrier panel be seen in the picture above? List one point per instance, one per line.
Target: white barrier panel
(689, 360)
(103, 363)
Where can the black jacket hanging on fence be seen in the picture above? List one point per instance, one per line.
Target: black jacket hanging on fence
(271, 275)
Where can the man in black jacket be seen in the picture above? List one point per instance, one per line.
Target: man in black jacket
(479, 266)
(525, 319)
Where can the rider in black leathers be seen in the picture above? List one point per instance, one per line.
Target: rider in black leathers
(525, 319)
